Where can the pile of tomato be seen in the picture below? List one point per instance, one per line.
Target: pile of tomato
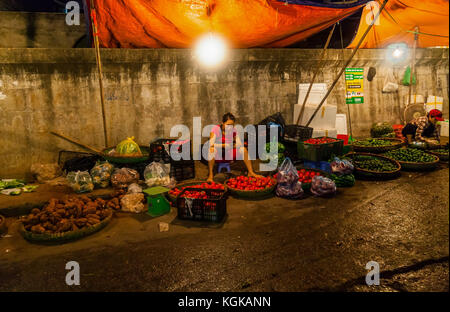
(244, 183)
(320, 141)
(305, 176)
(216, 186)
(195, 194)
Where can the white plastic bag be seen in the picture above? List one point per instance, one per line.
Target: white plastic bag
(288, 184)
(322, 186)
(390, 85)
(158, 174)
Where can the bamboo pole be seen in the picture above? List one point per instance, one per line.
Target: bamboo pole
(347, 63)
(89, 148)
(315, 74)
(99, 67)
(411, 73)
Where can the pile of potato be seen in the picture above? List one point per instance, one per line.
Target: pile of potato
(71, 214)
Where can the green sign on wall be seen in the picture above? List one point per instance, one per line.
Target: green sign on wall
(354, 78)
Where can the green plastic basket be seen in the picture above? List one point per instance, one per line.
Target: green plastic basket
(320, 152)
(126, 159)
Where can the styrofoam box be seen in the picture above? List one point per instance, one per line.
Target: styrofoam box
(331, 133)
(434, 102)
(444, 128)
(324, 119)
(341, 124)
(415, 98)
(316, 95)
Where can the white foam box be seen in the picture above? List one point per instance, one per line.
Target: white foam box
(341, 124)
(324, 119)
(434, 102)
(318, 91)
(331, 133)
(415, 99)
(444, 128)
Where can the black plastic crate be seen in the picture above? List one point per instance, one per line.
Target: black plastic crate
(291, 150)
(76, 161)
(158, 151)
(182, 171)
(212, 209)
(295, 133)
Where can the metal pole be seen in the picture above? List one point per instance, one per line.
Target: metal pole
(315, 74)
(347, 63)
(348, 106)
(99, 66)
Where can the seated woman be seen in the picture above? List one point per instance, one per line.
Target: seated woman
(424, 128)
(231, 145)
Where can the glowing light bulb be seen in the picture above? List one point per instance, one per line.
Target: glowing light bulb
(210, 50)
(397, 53)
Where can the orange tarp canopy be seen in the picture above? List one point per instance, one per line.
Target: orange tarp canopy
(244, 23)
(399, 19)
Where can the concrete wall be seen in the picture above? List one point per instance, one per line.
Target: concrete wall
(149, 91)
(39, 30)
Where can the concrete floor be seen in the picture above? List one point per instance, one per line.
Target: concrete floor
(314, 244)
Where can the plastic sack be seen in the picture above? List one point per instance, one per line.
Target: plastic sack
(128, 147)
(407, 77)
(322, 186)
(134, 189)
(133, 203)
(341, 166)
(123, 177)
(101, 174)
(80, 181)
(288, 184)
(390, 85)
(45, 172)
(158, 174)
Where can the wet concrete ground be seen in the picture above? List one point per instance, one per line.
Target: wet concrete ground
(314, 244)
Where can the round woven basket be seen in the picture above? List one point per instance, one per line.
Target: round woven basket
(420, 166)
(65, 236)
(3, 228)
(173, 199)
(397, 143)
(252, 194)
(442, 157)
(376, 175)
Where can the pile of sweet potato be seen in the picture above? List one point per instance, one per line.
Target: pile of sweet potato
(71, 214)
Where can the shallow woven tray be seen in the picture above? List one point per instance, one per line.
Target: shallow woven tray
(252, 194)
(378, 149)
(420, 166)
(376, 175)
(126, 159)
(442, 157)
(173, 199)
(65, 236)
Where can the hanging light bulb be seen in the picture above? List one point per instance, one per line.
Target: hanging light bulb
(210, 50)
(397, 52)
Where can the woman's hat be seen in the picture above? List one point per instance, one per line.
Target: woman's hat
(437, 114)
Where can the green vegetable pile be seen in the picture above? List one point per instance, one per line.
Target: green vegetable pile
(278, 157)
(15, 187)
(382, 129)
(346, 180)
(373, 163)
(441, 151)
(410, 155)
(373, 143)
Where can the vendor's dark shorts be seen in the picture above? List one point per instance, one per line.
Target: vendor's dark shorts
(409, 129)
